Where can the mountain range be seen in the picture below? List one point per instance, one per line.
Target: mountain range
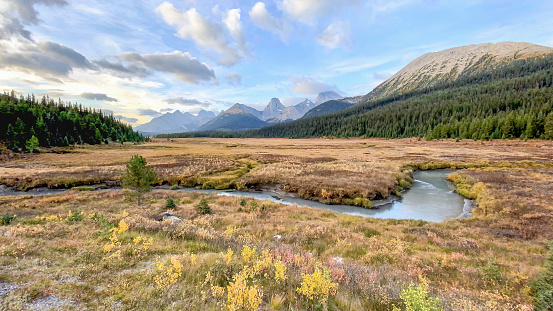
(175, 122)
(484, 91)
(237, 118)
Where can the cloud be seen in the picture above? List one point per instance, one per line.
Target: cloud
(121, 70)
(192, 25)
(234, 26)
(234, 79)
(186, 102)
(47, 59)
(98, 96)
(25, 8)
(187, 68)
(307, 11)
(381, 6)
(147, 112)
(164, 110)
(264, 20)
(11, 26)
(382, 75)
(306, 85)
(107, 111)
(336, 35)
(126, 119)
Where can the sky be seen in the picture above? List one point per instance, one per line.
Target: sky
(139, 59)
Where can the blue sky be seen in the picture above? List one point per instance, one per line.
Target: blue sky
(141, 58)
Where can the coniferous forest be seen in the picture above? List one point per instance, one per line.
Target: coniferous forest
(28, 123)
(511, 100)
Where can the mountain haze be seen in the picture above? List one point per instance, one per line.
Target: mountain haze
(326, 96)
(175, 122)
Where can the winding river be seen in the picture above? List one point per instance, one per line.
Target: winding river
(430, 198)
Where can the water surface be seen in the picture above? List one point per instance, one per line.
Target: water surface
(430, 198)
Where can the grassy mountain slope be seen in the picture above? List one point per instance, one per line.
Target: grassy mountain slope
(510, 99)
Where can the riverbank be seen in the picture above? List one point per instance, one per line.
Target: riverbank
(56, 245)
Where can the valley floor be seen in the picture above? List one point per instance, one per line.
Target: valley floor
(99, 250)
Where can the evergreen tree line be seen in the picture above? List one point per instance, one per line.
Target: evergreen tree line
(28, 123)
(509, 100)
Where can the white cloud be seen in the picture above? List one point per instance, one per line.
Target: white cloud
(264, 20)
(187, 68)
(381, 6)
(192, 25)
(47, 59)
(307, 85)
(307, 11)
(25, 8)
(234, 25)
(336, 35)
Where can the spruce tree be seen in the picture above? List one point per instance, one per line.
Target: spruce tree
(138, 176)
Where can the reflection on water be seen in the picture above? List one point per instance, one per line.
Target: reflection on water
(431, 198)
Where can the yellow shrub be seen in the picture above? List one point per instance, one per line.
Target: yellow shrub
(318, 285)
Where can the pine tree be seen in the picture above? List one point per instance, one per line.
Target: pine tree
(138, 176)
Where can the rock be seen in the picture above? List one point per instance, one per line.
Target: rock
(168, 216)
(6, 288)
(50, 302)
(277, 237)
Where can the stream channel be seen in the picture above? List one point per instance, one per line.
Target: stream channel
(430, 198)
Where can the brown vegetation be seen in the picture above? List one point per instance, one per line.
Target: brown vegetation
(482, 263)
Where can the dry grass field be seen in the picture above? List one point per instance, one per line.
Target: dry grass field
(99, 250)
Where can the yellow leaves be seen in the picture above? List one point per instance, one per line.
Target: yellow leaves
(240, 296)
(228, 256)
(167, 273)
(122, 227)
(318, 285)
(248, 253)
(230, 231)
(280, 271)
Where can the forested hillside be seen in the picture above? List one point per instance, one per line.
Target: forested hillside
(510, 100)
(27, 124)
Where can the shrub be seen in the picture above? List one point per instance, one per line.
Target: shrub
(6, 219)
(74, 217)
(542, 286)
(415, 298)
(170, 204)
(318, 285)
(174, 187)
(203, 207)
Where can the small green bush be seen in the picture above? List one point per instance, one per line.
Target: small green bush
(170, 204)
(243, 203)
(415, 298)
(542, 286)
(253, 206)
(203, 207)
(75, 216)
(6, 219)
(174, 187)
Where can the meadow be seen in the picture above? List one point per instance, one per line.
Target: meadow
(100, 250)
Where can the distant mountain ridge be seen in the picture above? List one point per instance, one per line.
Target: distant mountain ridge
(326, 96)
(240, 117)
(173, 122)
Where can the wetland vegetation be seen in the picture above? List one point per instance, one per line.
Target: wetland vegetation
(101, 250)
